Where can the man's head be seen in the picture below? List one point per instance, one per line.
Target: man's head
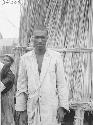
(40, 35)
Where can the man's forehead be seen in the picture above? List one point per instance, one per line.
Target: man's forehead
(40, 30)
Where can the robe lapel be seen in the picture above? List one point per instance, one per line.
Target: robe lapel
(34, 66)
(45, 65)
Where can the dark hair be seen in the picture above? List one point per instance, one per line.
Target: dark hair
(10, 58)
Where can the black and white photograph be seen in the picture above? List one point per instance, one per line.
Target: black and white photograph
(46, 62)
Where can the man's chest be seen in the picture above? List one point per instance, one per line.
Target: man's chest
(39, 62)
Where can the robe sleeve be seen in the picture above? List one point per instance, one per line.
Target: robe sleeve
(63, 91)
(21, 87)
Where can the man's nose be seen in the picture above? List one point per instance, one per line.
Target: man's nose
(40, 40)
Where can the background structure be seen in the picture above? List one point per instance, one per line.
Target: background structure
(69, 24)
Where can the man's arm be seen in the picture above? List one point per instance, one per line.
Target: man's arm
(21, 97)
(63, 91)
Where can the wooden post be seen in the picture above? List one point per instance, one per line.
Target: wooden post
(79, 116)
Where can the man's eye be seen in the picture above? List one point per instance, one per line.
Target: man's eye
(40, 37)
(36, 37)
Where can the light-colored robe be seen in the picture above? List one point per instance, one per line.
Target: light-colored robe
(45, 92)
(2, 87)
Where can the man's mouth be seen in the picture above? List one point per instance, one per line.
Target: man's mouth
(40, 45)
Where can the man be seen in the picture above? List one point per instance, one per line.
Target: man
(7, 95)
(41, 86)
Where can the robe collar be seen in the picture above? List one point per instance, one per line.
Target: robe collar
(45, 65)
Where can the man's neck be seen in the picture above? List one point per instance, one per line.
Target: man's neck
(40, 52)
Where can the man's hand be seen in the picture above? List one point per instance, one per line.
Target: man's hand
(21, 118)
(17, 114)
(17, 117)
(60, 114)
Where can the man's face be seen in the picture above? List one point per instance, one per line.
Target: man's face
(40, 39)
